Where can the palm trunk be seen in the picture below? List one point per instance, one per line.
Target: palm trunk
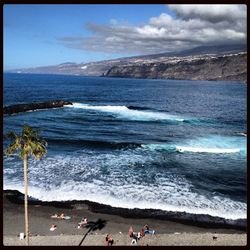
(25, 165)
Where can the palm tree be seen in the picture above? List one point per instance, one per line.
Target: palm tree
(28, 143)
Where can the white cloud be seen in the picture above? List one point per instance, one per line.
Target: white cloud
(195, 25)
(210, 12)
(162, 20)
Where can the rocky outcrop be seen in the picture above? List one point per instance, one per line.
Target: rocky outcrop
(17, 108)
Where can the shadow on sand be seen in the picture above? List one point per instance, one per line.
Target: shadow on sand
(92, 226)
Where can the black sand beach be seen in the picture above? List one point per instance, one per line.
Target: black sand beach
(102, 219)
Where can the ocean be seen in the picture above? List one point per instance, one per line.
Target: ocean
(173, 145)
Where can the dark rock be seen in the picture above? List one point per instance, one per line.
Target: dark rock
(17, 108)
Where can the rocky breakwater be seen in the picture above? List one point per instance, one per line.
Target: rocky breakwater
(17, 108)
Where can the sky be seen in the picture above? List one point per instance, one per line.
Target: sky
(41, 35)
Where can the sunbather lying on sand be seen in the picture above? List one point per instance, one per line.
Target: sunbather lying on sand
(83, 223)
(145, 230)
(61, 216)
(53, 227)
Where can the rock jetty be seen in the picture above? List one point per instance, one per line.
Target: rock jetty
(17, 108)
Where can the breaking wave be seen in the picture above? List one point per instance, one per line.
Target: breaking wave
(94, 144)
(97, 178)
(215, 144)
(126, 113)
(208, 150)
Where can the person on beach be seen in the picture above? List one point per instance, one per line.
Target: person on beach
(53, 227)
(62, 216)
(138, 235)
(142, 232)
(83, 222)
(131, 232)
(109, 240)
(147, 231)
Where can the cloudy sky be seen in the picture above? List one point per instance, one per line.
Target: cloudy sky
(37, 35)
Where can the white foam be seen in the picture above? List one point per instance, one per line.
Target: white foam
(153, 147)
(217, 144)
(84, 177)
(124, 113)
(125, 197)
(207, 150)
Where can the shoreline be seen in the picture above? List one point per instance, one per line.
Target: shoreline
(243, 81)
(199, 220)
(101, 223)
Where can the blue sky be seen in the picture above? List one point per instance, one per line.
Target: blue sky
(39, 35)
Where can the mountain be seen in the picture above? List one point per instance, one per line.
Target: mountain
(223, 62)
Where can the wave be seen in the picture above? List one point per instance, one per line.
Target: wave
(242, 134)
(124, 178)
(126, 113)
(68, 191)
(138, 108)
(94, 144)
(203, 220)
(207, 150)
(215, 144)
(159, 147)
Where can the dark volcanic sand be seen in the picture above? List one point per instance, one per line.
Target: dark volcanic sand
(112, 221)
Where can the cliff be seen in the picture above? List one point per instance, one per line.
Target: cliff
(224, 62)
(226, 67)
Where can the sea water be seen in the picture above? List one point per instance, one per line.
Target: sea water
(134, 143)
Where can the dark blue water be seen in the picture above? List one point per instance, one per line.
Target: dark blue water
(172, 145)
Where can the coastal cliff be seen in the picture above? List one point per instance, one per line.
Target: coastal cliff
(227, 67)
(226, 63)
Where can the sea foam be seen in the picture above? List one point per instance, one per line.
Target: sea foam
(97, 178)
(207, 150)
(123, 112)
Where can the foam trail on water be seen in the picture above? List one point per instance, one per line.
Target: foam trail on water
(215, 144)
(207, 150)
(163, 147)
(129, 114)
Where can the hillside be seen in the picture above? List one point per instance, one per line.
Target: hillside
(227, 62)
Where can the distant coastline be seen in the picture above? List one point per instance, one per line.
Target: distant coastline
(210, 63)
(77, 75)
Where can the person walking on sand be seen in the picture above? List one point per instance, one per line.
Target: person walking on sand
(131, 232)
(142, 232)
(109, 240)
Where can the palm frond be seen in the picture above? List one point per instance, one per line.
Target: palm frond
(15, 143)
(11, 135)
(29, 143)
